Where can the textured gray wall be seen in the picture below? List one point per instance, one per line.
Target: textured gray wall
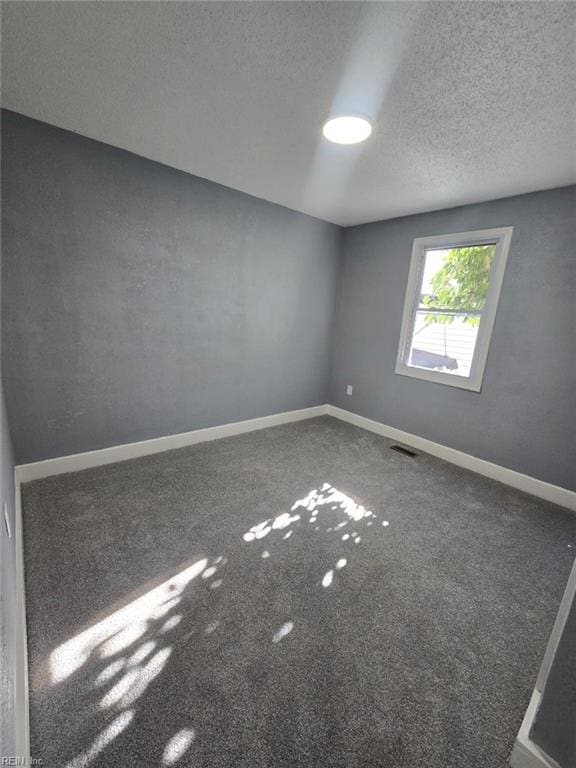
(553, 729)
(524, 416)
(141, 301)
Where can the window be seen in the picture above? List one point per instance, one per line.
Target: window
(451, 300)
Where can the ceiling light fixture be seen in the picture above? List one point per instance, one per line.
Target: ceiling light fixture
(348, 129)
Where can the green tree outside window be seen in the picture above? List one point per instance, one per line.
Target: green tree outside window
(460, 285)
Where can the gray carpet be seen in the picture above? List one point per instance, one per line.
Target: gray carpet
(170, 624)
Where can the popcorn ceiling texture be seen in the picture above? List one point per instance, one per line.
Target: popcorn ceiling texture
(416, 646)
(471, 101)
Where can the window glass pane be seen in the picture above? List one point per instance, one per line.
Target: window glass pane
(452, 295)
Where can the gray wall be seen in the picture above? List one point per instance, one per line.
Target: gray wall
(141, 301)
(524, 416)
(553, 728)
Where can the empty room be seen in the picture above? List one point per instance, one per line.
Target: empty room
(288, 378)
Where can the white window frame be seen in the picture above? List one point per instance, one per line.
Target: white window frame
(501, 237)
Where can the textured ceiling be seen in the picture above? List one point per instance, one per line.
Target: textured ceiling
(471, 100)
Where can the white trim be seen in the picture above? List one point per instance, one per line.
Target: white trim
(502, 236)
(553, 493)
(21, 671)
(78, 461)
(27, 472)
(557, 630)
(523, 752)
(527, 754)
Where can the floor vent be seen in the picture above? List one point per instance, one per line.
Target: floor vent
(405, 451)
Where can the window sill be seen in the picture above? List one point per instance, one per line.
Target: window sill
(437, 377)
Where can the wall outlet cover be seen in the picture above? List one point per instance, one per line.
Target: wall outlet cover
(349, 389)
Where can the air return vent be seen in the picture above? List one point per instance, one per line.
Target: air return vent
(405, 451)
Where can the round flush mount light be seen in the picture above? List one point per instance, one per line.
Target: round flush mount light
(347, 129)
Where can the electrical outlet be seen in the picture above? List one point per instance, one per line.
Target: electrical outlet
(7, 521)
(349, 389)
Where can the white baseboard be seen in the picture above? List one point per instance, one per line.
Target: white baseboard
(78, 461)
(553, 493)
(22, 735)
(26, 472)
(557, 630)
(526, 754)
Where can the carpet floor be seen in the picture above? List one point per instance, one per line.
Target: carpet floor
(297, 597)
